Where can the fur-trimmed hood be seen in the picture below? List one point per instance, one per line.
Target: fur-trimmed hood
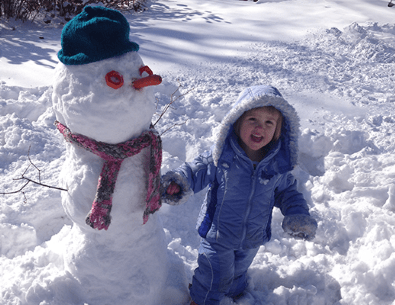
(260, 96)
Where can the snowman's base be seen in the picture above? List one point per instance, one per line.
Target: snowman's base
(132, 268)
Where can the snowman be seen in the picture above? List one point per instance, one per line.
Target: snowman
(103, 104)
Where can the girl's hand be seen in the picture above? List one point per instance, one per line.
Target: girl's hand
(300, 226)
(173, 188)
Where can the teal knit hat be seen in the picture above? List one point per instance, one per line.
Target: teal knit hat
(95, 34)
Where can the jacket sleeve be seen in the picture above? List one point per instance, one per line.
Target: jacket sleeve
(288, 198)
(191, 177)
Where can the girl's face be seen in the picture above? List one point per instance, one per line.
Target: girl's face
(257, 129)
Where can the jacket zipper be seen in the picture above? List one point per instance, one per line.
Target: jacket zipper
(222, 203)
(247, 214)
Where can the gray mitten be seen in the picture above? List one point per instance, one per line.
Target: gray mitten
(180, 197)
(299, 225)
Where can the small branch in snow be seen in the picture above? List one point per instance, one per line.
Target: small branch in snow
(173, 98)
(28, 180)
(179, 124)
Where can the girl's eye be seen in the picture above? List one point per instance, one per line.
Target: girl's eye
(114, 79)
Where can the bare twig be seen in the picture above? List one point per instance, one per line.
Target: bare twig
(39, 171)
(28, 180)
(173, 98)
(38, 183)
(14, 192)
(179, 124)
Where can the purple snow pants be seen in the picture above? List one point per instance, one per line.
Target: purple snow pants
(221, 272)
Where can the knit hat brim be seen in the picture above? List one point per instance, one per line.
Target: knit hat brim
(95, 34)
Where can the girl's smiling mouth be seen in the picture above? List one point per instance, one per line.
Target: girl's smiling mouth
(256, 139)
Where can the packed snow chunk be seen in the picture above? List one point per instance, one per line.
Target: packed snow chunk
(63, 289)
(337, 176)
(313, 147)
(349, 141)
(23, 102)
(27, 278)
(314, 143)
(368, 43)
(19, 137)
(390, 203)
(333, 234)
(355, 222)
(275, 247)
(16, 240)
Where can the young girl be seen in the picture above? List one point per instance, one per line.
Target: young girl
(248, 173)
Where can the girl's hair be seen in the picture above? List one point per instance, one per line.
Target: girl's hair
(271, 110)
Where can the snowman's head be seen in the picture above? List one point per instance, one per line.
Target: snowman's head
(85, 101)
(99, 85)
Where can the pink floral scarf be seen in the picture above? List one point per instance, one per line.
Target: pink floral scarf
(114, 154)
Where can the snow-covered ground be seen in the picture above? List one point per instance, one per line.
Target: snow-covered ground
(333, 60)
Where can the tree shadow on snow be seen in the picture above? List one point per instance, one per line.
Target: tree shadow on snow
(19, 46)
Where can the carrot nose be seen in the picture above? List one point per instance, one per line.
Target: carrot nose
(150, 80)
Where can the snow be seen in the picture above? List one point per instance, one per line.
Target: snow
(333, 60)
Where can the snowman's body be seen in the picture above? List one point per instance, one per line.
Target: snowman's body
(130, 257)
